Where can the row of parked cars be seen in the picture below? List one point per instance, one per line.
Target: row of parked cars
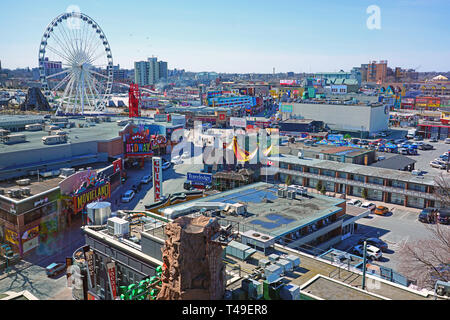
(380, 210)
(374, 248)
(434, 215)
(441, 162)
(130, 194)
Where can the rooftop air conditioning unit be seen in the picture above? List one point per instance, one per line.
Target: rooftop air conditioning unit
(118, 227)
(26, 191)
(23, 182)
(282, 193)
(291, 194)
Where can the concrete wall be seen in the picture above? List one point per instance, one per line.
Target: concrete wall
(20, 163)
(345, 117)
(113, 147)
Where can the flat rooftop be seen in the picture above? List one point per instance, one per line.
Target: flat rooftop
(311, 276)
(103, 131)
(36, 187)
(267, 212)
(356, 169)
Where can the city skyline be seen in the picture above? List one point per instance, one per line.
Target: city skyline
(246, 37)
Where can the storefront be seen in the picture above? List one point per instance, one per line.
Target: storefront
(140, 144)
(83, 188)
(30, 221)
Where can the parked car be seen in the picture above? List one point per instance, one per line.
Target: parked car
(436, 164)
(166, 165)
(443, 216)
(176, 160)
(427, 215)
(369, 205)
(447, 140)
(146, 179)
(418, 138)
(372, 252)
(55, 269)
(375, 242)
(381, 210)
(426, 146)
(128, 196)
(433, 139)
(354, 202)
(186, 155)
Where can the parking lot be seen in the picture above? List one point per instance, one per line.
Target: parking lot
(397, 228)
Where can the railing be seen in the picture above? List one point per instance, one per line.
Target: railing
(411, 193)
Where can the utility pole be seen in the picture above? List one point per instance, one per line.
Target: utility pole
(364, 267)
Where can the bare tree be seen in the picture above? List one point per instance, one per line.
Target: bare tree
(442, 189)
(426, 261)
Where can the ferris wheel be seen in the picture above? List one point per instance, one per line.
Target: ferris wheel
(75, 64)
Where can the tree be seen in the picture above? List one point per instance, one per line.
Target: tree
(319, 185)
(323, 190)
(364, 194)
(347, 137)
(287, 181)
(427, 260)
(442, 190)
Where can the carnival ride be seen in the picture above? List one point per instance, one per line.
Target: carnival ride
(76, 64)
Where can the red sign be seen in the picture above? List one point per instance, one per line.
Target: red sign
(117, 165)
(112, 279)
(157, 186)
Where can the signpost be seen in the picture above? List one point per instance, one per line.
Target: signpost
(157, 178)
(202, 179)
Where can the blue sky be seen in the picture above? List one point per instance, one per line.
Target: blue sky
(246, 35)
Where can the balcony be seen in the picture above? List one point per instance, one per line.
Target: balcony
(412, 193)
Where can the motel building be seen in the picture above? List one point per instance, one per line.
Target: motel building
(386, 185)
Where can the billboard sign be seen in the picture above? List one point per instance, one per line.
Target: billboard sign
(157, 178)
(335, 137)
(286, 108)
(91, 194)
(199, 178)
(117, 165)
(238, 122)
(288, 82)
(12, 237)
(111, 267)
(30, 239)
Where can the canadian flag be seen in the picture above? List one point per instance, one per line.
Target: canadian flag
(269, 163)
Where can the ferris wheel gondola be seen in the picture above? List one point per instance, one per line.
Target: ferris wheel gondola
(76, 64)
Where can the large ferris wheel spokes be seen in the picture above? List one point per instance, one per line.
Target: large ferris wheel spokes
(84, 81)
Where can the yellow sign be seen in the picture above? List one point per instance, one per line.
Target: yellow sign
(102, 192)
(12, 237)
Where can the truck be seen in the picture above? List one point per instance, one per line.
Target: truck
(49, 140)
(33, 127)
(14, 138)
(411, 133)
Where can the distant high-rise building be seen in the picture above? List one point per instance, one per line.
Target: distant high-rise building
(150, 72)
(153, 70)
(377, 71)
(141, 73)
(163, 71)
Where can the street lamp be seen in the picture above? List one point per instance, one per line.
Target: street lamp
(364, 266)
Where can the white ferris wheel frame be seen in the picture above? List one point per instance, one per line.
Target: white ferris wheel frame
(78, 49)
